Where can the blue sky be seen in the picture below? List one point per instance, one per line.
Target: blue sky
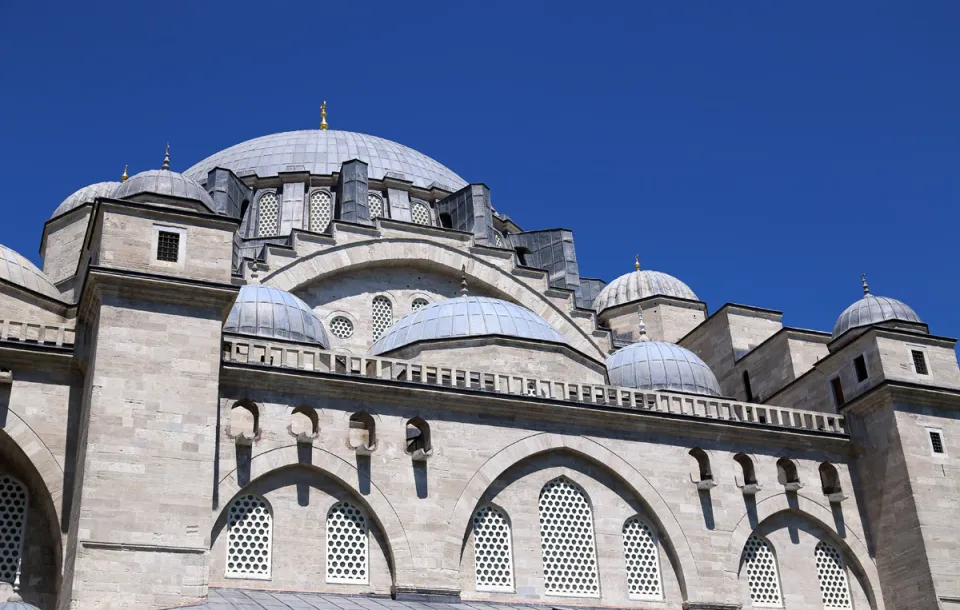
(765, 153)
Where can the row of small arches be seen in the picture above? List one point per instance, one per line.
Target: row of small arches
(763, 574)
(787, 473)
(381, 315)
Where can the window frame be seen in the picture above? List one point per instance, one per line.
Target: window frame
(930, 430)
(181, 246)
(260, 196)
(833, 391)
(866, 368)
(926, 360)
(235, 575)
(491, 507)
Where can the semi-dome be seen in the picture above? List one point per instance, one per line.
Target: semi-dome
(641, 284)
(269, 312)
(322, 152)
(16, 269)
(872, 310)
(656, 365)
(466, 316)
(164, 182)
(85, 195)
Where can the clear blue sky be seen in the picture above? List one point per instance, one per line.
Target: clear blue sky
(765, 153)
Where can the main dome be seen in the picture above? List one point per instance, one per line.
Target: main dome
(641, 284)
(322, 152)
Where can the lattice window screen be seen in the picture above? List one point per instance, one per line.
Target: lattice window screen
(642, 560)
(346, 544)
(375, 205)
(762, 574)
(382, 316)
(420, 214)
(269, 215)
(13, 523)
(419, 304)
(341, 327)
(498, 241)
(567, 542)
(249, 538)
(833, 577)
(320, 211)
(494, 550)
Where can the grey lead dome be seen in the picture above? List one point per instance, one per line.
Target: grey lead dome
(85, 195)
(466, 317)
(269, 312)
(655, 365)
(16, 269)
(164, 182)
(640, 285)
(872, 310)
(322, 152)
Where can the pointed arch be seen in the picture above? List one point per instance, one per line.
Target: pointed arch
(569, 546)
(249, 537)
(493, 549)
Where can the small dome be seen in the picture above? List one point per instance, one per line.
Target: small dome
(655, 365)
(276, 314)
(18, 270)
(164, 182)
(14, 602)
(466, 317)
(638, 285)
(871, 310)
(85, 195)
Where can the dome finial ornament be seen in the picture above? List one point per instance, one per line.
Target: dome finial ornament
(124, 176)
(463, 281)
(863, 278)
(166, 159)
(642, 332)
(323, 115)
(636, 262)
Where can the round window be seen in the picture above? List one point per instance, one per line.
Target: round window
(341, 327)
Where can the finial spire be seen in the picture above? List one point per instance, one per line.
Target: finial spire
(636, 262)
(642, 327)
(166, 158)
(323, 115)
(124, 176)
(15, 596)
(863, 278)
(463, 280)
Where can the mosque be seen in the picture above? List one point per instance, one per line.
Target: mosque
(320, 369)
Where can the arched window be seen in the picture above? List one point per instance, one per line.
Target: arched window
(642, 560)
(347, 556)
(829, 479)
(363, 433)
(567, 540)
(249, 538)
(498, 240)
(268, 223)
(493, 546)
(787, 474)
(746, 467)
(833, 577)
(244, 422)
(418, 438)
(304, 424)
(763, 577)
(320, 211)
(420, 214)
(13, 525)
(418, 304)
(382, 311)
(705, 481)
(375, 205)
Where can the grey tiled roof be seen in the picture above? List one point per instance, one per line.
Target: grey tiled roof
(322, 152)
(640, 285)
(871, 310)
(87, 193)
(164, 182)
(466, 317)
(269, 312)
(18, 270)
(654, 365)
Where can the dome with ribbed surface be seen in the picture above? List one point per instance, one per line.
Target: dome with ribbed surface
(269, 312)
(164, 182)
(14, 602)
(85, 195)
(871, 310)
(16, 269)
(639, 285)
(656, 365)
(466, 317)
(322, 152)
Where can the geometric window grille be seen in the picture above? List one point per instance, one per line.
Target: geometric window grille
(567, 543)
(418, 304)
(269, 223)
(936, 441)
(375, 205)
(833, 577)
(346, 544)
(420, 214)
(491, 538)
(249, 537)
(13, 521)
(168, 246)
(762, 575)
(382, 316)
(919, 362)
(498, 240)
(319, 211)
(643, 564)
(341, 327)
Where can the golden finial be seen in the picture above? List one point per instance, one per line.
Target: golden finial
(166, 158)
(863, 278)
(636, 262)
(323, 115)
(124, 176)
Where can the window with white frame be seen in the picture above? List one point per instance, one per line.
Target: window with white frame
(249, 538)
(936, 441)
(833, 577)
(567, 540)
(375, 205)
(347, 554)
(268, 223)
(321, 206)
(763, 577)
(918, 360)
(382, 310)
(493, 550)
(420, 214)
(642, 560)
(13, 524)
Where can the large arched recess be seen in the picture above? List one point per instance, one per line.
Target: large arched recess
(819, 515)
(377, 505)
(447, 259)
(593, 452)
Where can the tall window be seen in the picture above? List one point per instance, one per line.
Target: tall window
(493, 550)
(567, 542)
(919, 362)
(860, 368)
(249, 537)
(347, 556)
(642, 560)
(375, 205)
(382, 311)
(837, 387)
(320, 207)
(269, 215)
(833, 577)
(13, 525)
(746, 386)
(763, 577)
(420, 214)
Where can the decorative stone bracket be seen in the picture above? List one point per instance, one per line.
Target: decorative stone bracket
(420, 455)
(793, 486)
(836, 497)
